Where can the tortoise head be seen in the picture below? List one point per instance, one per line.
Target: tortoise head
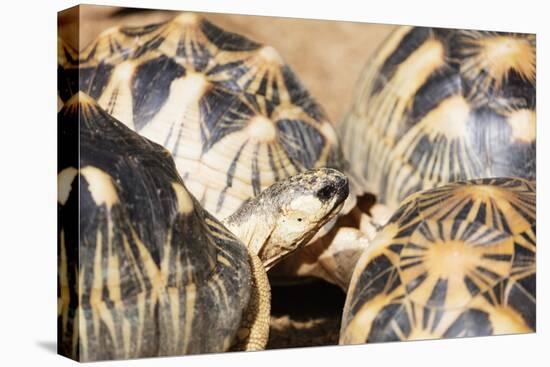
(286, 215)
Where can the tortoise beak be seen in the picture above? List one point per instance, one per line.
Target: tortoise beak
(342, 190)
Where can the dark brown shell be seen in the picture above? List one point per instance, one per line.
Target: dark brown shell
(143, 269)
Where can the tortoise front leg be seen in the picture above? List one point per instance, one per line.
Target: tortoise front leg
(337, 260)
(254, 330)
(371, 224)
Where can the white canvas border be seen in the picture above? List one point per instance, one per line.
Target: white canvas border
(28, 151)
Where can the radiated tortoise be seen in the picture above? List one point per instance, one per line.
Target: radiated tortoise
(454, 261)
(440, 105)
(434, 106)
(144, 270)
(232, 113)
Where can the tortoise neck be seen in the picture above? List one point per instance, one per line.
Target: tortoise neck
(252, 226)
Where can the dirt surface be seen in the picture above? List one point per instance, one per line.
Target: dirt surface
(327, 55)
(305, 315)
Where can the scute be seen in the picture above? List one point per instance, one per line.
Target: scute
(221, 162)
(457, 260)
(437, 105)
(146, 271)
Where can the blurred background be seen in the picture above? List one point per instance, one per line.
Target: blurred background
(327, 55)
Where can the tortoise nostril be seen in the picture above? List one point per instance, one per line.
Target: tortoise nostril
(326, 192)
(342, 181)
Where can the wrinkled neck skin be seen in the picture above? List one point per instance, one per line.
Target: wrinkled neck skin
(254, 228)
(277, 247)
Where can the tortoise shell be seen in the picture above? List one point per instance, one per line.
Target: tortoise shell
(454, 261)
(232, 113)
(441, 105)
(143, 269)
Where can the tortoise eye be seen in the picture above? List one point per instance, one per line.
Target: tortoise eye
(326, 192)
